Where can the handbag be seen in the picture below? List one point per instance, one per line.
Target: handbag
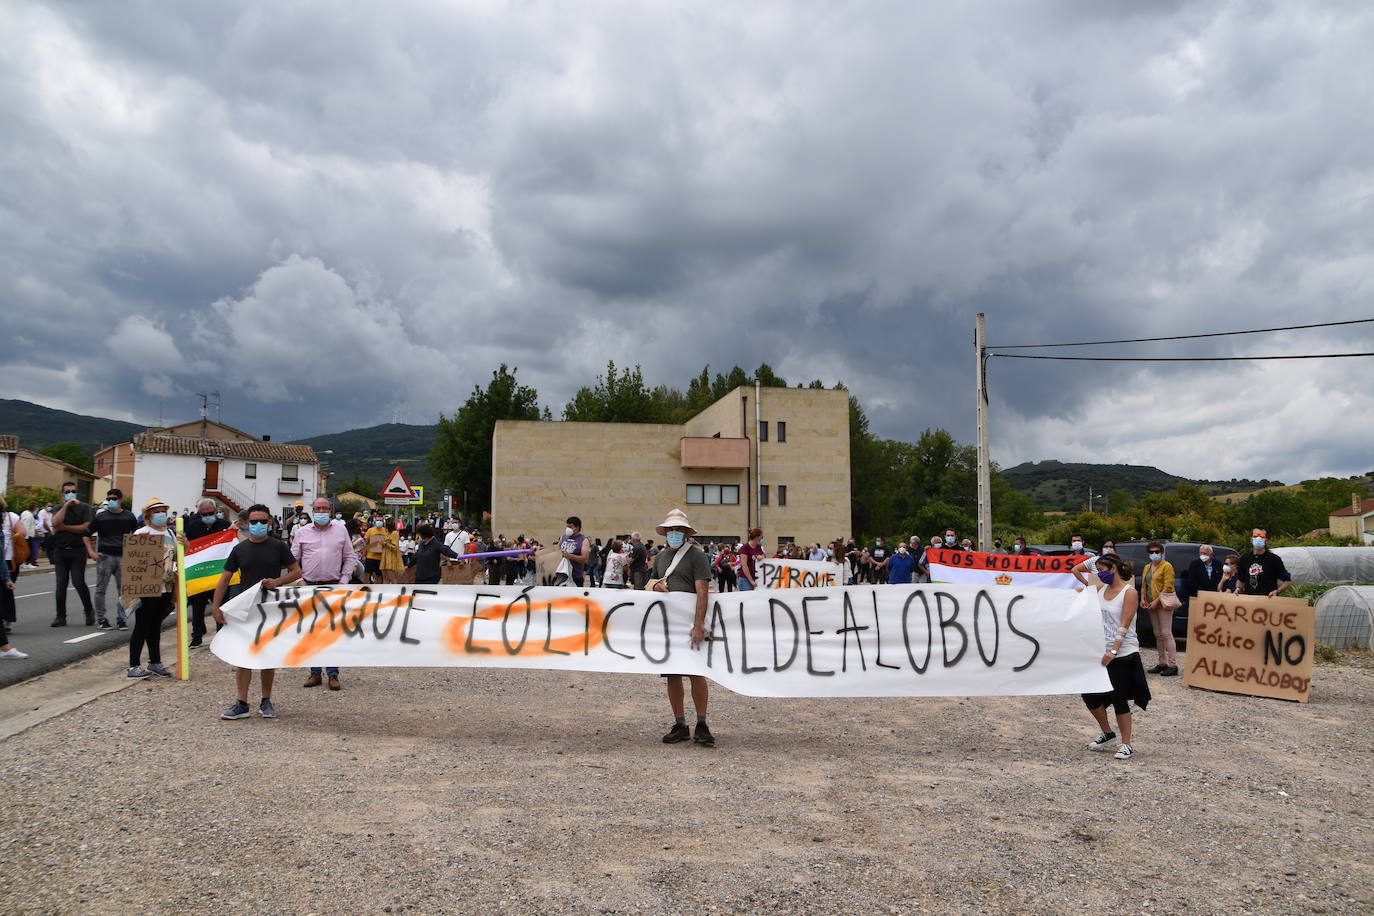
(1169, 600)
(677, 558)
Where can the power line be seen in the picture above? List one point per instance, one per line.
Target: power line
(1096, 343)
(1173, 359)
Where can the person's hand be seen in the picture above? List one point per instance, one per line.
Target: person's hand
(216, 613)
(698, 635)
(10, 584)
(93, 555)
(1107, 659)
(270, 583)
(1274, 593)
(661, 585)
(181, 539)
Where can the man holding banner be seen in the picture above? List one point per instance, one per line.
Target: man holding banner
(205, 522)
(683, 567)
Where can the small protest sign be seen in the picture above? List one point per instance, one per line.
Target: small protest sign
(546, 560)
(1251, 644)
(144, 568)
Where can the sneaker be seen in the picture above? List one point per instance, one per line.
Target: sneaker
(1157, 669)
(12, 652)
(59, 622)
(195, 644)
(679, 732)
(266, 709)
(159, 670)
(1123, 752)
(122, 625)
(1101, 741)
(103, 624)
(1171, 671)
(138, 674)
(703, 736)
(239, 710)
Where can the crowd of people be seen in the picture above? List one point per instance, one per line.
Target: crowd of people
(320, 547)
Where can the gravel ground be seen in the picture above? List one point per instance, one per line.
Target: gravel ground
(451, 790)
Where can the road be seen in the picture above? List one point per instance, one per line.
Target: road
(51, 647)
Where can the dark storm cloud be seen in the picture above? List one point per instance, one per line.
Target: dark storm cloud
(346, 215)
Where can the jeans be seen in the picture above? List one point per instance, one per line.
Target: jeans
(196, 606)
(107, 567)
(70, 565)
(332, 671)
(148, 629)
(744, 585)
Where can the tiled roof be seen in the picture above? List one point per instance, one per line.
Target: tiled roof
(224, 448)
(9, 443)
(1366, 506)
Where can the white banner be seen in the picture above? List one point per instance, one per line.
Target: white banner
(971, 568)
(785, 573)
(890, 640)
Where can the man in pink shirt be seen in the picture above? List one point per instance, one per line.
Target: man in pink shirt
(325, 553)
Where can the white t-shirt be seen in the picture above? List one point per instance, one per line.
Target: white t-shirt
(1111, 620)
(615, 569)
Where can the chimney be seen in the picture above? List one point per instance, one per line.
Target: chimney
(1355, 502)
(266, 438)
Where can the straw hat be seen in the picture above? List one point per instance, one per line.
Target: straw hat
(676, 519)
(152, 504)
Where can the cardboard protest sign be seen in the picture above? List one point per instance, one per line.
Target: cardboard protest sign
(144, 568)
(546, 560)
(971, 567)
(1251, 644)
(786, 573)
(888, 640)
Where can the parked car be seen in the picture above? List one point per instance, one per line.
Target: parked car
(1054, 550)
(1180, 554)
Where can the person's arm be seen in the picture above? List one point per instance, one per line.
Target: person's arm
(1285, 581)
(1128, 609)
(699, 621)
(745, 565)
(221, 587)
(1166, 574)
(293, 572)
(1079, 572)
(448, 552)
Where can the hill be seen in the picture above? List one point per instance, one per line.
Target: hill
(38, 427)
(1063, 486)
(373, 451)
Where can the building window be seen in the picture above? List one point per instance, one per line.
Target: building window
(782, 494)
(712, 494)
(787, 540)
(763, 430)
(250, 470)
(290, 471)
(763, 495)
(782, 430)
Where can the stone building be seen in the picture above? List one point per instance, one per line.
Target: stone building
(781, 463)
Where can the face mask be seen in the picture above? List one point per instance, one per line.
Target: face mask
(338, 515)
(1156, 557)
(1107, 576)
(257, 529)
(1016, 547)
(675, 539)
(1106, 550)
(219, 515)
(159, 519)
(949, 539)
(1257, 542)
(902, 551)
(321, 518)
(568, 532)
(1205, 557)
(1230, 570)
(207, 519)
(68, 497)
(1077, 545)
(112, 504)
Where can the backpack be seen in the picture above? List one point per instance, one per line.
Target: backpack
(20, 542)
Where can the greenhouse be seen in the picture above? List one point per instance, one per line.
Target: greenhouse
(1345, 617)
(1328, 565)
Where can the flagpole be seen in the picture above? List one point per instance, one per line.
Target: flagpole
(183, 649)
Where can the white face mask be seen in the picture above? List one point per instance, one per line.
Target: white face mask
(1077, 545)
(568, 532)
(1205, 557)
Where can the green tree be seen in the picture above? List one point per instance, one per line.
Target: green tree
(71, 453)
(724, 384)
(619, 396)
(461, 457)
(360, 485)
(768, 378)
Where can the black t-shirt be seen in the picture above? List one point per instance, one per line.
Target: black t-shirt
(109, 529)
(257, 561)
(77, 514)
(639, 558)
(1261, 572)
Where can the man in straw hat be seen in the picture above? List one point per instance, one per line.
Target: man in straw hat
(690, 572)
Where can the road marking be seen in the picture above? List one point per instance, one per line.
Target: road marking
(86, 637)
(34, 595)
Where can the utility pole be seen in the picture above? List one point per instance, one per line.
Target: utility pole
(984, 465)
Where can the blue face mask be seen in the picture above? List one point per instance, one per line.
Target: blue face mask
(676, 539)
(112, 504)
(321, 518)
(1257, 542)
(258, 529)
(159, 519)
(68, 497)
(208, 519)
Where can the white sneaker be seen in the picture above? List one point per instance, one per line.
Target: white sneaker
(12, 652)
(1124, 752)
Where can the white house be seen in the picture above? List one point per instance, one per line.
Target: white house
(236, 472)
(9, 445)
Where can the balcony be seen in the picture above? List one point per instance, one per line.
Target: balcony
(701, 452)
(290, 487)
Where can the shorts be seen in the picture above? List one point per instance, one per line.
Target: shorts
(372, 565)
(1127, 675)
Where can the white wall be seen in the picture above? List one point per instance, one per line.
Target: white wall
(177, 479)
(6, 468)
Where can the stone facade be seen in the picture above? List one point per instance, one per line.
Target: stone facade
(623, 477)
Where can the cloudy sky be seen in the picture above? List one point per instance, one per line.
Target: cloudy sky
(344, 213)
